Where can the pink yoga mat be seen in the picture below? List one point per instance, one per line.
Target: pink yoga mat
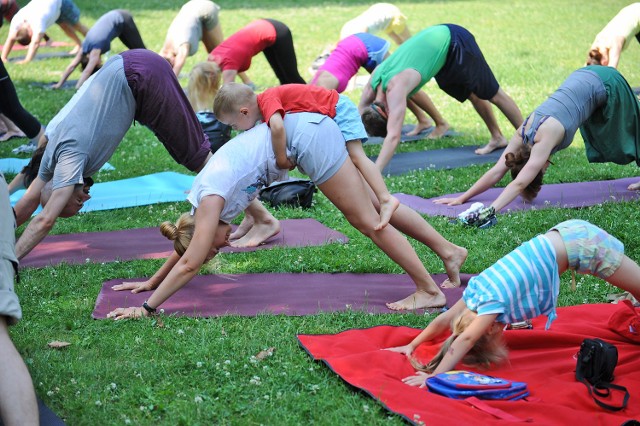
(288, 294)
(567, 195)
(148, 243)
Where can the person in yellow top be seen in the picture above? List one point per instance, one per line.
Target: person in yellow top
(615, 37)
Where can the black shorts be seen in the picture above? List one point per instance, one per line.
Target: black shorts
(465, 71)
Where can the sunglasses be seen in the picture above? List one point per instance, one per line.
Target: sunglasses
(380, 110)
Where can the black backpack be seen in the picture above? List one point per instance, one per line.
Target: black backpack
(596, 361)
(292, 193)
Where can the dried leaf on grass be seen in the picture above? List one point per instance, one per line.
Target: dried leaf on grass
(263, 354)
(57, 344)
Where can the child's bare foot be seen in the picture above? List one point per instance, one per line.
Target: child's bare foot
(452, 265)
(243, 228)
(419, 300)
(492, 146)
(634, 187)
(439, 131)
(420, 127)
(257, 234)
(387, 208)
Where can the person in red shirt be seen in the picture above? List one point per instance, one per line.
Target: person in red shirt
(237, 105)
(269, 36)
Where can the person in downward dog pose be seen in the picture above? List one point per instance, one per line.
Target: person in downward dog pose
(522, 285)
(232, 178)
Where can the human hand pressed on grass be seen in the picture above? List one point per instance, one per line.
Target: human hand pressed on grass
(126, 313)
(406, 349)
(448, 201)
(418, 379)
(134, 286)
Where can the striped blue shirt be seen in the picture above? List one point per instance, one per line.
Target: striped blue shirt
(522, 285)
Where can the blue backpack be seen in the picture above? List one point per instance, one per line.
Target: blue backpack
(460, 384)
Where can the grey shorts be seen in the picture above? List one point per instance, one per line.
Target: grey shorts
(9, 303)
(69, 13)
(317, 145)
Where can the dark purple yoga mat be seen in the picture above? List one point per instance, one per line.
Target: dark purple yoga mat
(288, 294)
(566, 195)
(148, 243)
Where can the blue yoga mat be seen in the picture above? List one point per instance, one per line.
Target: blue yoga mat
(376, 140)
(14, 165)
(139, 191)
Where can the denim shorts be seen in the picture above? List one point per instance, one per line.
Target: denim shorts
(349, 121)
(69, 13)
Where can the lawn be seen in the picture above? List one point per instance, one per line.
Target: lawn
(204, 371)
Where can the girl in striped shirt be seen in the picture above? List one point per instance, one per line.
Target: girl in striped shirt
(522, 285)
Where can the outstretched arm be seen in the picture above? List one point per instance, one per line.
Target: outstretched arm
(437, 327)
(40, 226)
(367, 97)
(33, 48)
(94, 60)
(67, 72)
(396, 110)
(480, 326)
(153, 282)
(207, 217)
(181, 58)
(8, 45)
(614, 52)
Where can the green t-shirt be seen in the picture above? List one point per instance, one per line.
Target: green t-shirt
(425, 52)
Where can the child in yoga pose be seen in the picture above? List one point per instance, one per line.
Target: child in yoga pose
(230, 182)
(522, 285)
(238, 106)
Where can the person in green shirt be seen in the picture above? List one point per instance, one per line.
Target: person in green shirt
(450, 54)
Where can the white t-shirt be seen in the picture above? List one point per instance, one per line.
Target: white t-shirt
(40, 14)
(237, 172)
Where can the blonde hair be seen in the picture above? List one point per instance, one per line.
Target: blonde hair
(230, 97)
(180, 233)
(489, 348)
(204, 82)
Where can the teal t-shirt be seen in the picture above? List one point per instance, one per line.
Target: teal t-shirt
(425, 52)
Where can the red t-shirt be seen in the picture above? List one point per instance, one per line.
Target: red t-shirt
(235, 52)
(297, 98)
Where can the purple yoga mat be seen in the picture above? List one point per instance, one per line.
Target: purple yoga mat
(288, 294)
(148, 243)
(567, 195)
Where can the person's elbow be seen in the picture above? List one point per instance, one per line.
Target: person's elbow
(190, 265)
(44, 221)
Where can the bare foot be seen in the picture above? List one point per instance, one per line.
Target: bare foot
(439, 131)
(419, 300)
(243, 228)
(452, 265)
(386, 211)
(12, 134)
(634, 186)
(420, 127)
(258, 234)
(492, 146)
(75, 50)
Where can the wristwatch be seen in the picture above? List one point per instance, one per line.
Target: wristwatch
(149, 309)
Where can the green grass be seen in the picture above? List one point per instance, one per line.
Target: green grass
(201, 371)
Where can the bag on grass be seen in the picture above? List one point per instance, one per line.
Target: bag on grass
(596, 361)
(460, 384)
(293, 193)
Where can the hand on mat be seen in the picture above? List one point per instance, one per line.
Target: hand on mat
(135, 287)
(417, 380)
(448, 201)
(406, 349)
(124, 313)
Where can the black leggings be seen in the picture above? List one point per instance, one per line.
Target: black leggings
(11, 107)
(130, 36)
(282, 56)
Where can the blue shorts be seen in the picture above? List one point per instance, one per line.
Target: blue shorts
(376, 49)
(69, 13)
(349, 121)
(590, 250)
(466, 71)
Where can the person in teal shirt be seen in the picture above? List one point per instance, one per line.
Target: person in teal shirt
(450, 54)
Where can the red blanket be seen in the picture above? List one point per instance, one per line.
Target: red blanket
(543, 359)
